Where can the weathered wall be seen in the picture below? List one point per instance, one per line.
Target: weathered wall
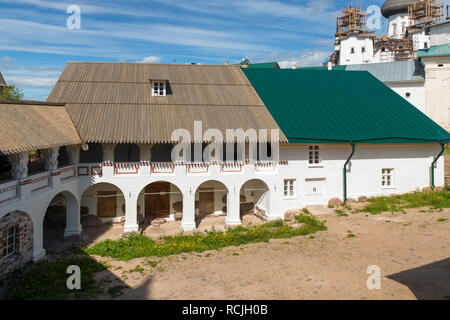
(24, 241)
(437, 89)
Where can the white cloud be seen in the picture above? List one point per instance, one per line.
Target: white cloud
(306, 59)
(33, 82)
(151, 59)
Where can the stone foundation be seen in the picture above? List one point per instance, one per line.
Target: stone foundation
(24, 241)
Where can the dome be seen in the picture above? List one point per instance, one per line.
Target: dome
(392, 7)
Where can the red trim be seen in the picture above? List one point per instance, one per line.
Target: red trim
(164, 165)
(225, 165)
(189, 166)
(96, 173)
(83, 174)
(117, 166)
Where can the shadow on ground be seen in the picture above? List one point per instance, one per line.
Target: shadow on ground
(428, 282)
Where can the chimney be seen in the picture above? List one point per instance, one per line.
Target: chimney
(330, 66)
(294, 65)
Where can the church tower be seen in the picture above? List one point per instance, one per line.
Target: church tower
(397, 13)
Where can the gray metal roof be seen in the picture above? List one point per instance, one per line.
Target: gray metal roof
(399, 71)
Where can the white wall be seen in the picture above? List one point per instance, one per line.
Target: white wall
(440, 34)
(416, 90)
(347, 58)
(397, 25)
(437, 89)
(411, 164)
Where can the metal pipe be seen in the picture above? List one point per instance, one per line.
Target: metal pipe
(345, 170)
(434, 164)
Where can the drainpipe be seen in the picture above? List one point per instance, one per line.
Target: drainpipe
(434, 164)
(345, 170)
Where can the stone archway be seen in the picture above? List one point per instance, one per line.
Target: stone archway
(211, 200)
(160, 200)
(61, 220)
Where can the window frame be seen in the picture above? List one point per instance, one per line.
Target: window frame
(290, 188)
(157, 89)
(318, 158)
(6, 237)
(387, 178)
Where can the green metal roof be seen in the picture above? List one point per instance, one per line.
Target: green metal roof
(442, 50)
(340, 106)
(264, 65)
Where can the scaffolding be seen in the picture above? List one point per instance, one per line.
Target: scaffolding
(425, 12)
(351, 20)
(404, 49)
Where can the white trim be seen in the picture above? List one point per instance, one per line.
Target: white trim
(159, 88)
(290, 188)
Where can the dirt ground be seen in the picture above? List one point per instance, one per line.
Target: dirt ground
(411, 250)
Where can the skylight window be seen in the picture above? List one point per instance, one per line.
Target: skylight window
(159, 88)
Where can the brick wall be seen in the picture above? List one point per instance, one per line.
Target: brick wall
(24, 241)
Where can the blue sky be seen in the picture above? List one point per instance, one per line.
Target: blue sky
(36, 43)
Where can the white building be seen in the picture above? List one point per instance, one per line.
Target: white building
(107, 151)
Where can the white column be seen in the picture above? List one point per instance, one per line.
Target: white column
(73, 225)
(19, 165)
(51, 159)
(74, 154)
(188, 221)
(233, 208)
(131, 222)
(108, 151)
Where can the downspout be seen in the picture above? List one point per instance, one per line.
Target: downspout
(434, 164)
(345, 170)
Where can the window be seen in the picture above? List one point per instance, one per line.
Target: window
(383, 49)
(314, 155)
(425, 45)
(440, 65)
(289, 188)
(352, 50)
(158, 88)
(387, 178)
(363, 49)
(9, 241)
(408, 94)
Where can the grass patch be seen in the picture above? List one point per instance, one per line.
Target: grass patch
(340, 213)
(136, 245)
(48, 280)
(116, 290)
(441, 220)
(437, 200)
(350, 234)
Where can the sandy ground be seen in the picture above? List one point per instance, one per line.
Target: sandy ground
(411, 250)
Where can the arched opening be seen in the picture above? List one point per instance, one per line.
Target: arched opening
(102, 211)
(94, 154)
(126, 152)
(5, 168)
(254, 198)
(161, 200)
(63, 157)
(162, 152)
(61, 220)
(36, 162)
(211, 200)
(104, 201)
